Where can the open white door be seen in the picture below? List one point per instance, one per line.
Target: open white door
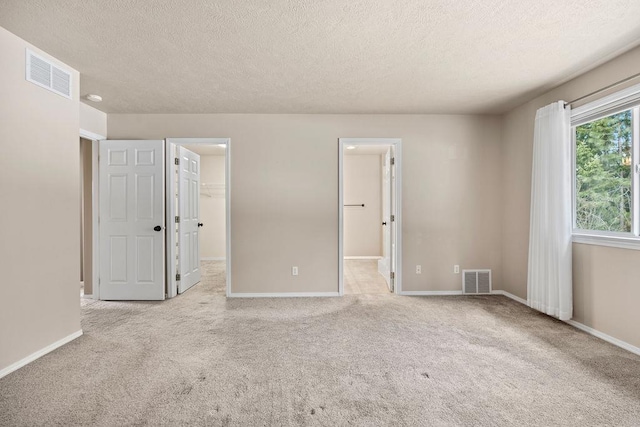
(189, 213)
(132, 218)
(384, 265)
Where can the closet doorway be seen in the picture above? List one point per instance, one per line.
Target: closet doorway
(198, 202)
(369, 215)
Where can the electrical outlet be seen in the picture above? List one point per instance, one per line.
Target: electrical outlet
(456, 269)
(418, 269)
(294, 271)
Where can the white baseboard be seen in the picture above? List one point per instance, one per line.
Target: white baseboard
(48, 349)
(363, 257)
(283, 294)
(89, 296)
(430, 293)
(605, 337)
(512, 296)
(585, 328)
(215, 258)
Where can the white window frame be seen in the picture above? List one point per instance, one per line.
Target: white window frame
(626, 99)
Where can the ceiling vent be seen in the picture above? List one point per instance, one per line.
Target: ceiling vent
(475, 282)
(45, 74)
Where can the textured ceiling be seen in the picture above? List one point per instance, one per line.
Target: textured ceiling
(331, 56)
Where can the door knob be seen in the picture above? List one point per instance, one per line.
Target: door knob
(157, 228)
(200, 224)
(384, 223)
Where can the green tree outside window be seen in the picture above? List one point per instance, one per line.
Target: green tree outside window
(603, 173)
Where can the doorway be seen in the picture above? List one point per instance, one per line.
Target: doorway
(89, 208)
(86, 220)
(370, 220)
(198, 245)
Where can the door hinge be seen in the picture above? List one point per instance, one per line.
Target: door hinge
(177, 161)
(393, 218)
(177, 219)
(393, 275)
(178, 276)
(393, 161)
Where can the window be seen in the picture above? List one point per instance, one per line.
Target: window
(606, 136)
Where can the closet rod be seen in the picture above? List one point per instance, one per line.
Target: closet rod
(612, 85)
(362, 205)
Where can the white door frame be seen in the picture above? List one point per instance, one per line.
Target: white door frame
(95, 208)
(172, 289)
(397, 144)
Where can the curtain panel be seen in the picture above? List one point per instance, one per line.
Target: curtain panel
(549, 281)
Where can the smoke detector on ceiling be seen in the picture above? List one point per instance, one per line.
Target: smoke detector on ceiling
(94, 98)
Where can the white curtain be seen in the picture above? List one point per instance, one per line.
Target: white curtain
(549, 282)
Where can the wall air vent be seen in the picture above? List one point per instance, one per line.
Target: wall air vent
(476, 282)
(45, 74)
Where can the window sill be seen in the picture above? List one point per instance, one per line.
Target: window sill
(611, 241)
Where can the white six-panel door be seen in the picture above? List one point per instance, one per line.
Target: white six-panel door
(132, 219)
(189, 212)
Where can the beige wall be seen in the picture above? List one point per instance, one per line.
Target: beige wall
(93, 120)
(212, 207)
(363, 184)
(39, 187)
(86, 154)
(284, 192)
(604, 282)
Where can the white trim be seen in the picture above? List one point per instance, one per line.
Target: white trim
(606, 105)
(170, 146)
(38, 354)
(622, 100)
(340, 218)
(605, 337)
(213, 258)
(95, 215)
(91, 135)
(430, 293)
(397, 144)
(88, 296)
(95, 210)
(596, 333)
(170, 226)
(283, 294)
(607, 240)
(509, 295)
(363, 257)
(227, 202)
(635, 171)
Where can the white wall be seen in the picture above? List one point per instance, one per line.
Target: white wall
(284, 192)
(39, 190)
(363, 184)
(212, 207)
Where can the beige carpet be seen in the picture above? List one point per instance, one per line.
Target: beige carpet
(363, 360)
